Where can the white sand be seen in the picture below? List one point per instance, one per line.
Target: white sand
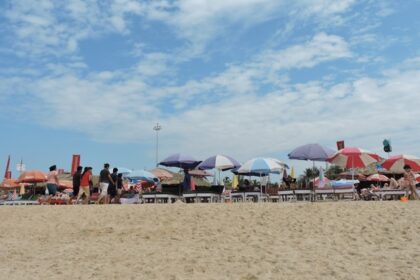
(344, 240)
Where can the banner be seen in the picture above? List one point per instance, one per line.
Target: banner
(75, 163)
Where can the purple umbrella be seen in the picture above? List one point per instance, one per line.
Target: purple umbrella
(181, 161)
(220, 162)
(314, 152)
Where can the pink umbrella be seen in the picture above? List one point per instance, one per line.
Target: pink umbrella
(377, 178)
(396, 163)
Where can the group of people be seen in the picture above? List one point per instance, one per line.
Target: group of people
(110, 184)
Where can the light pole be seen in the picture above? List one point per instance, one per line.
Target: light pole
(156, 128)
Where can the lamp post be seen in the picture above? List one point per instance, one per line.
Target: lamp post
(156, 128)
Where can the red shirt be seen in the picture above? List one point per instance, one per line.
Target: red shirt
(84, 182)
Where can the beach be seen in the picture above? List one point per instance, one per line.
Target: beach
(331, 240)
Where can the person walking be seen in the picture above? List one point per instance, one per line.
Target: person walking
(77, 176)
(410, 182)
(120, 184)
(112, 188)
(52, 180)
(104, 180)
(85, 180)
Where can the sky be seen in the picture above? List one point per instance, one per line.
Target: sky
(242, 78)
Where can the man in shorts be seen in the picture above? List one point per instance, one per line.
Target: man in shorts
(104, 180)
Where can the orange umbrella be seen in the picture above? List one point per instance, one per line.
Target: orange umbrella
(33, 176)
(9, 184)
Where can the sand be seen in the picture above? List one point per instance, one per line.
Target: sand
(337, 240)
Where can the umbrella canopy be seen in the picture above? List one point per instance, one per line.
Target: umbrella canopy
(124, 170)
(9, 184)
(350, 175)
(141, 175)
(236, 172)
(321, 182)
(396, 163)
(314, 152)
(162, 174)
(65, 184)
(220, 162)
(417, 176)
(33, 176)
(261, 166)
(354, 158)
(377, 178)
(199, 173)
(181, 161)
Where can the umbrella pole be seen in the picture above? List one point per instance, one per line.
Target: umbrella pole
(313, 184)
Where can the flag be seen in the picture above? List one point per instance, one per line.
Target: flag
(7, 173)
(292, 173)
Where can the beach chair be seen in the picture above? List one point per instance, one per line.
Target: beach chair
(324, 194)
(345, 193)
(304, 195)
(286, 196)
(273, 194)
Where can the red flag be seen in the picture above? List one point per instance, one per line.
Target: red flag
(75, 163)
(7, 173)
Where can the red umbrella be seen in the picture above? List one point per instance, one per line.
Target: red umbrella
(396, 163)
(417, 176)
(33, 176)
(354, 158)
(377, 178)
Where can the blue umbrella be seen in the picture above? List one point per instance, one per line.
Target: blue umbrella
(181, 161)
(314, 152)
(220, 162)
(141, 175)
(262, 166)
(124, 170)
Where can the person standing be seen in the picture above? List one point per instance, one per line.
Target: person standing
(52, 180)
(112, 188)
(76, 180)
(85, 180)
(410, 182)
(119, 187)
(104, 180)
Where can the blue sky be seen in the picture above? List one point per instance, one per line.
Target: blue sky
(243, 78)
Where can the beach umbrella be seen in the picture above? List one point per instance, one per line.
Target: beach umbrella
(220, 162)
(351, 175)
(65, 184)
(181, 161)
(321, 182)
(417, 176)
(396, 163)
(262, 167)
(313, 152)
(33, 176)
(162, 174)
(124, 170)
(141, 175)
(377, 178)
(199, 173)
(9, 184)
(354, 158)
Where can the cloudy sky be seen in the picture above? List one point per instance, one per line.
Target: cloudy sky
(244, 78)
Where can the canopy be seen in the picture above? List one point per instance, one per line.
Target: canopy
(354, 158)
(33, 176)
(220, 162)
(314, 152)
(396, 163)
(181, 161)
(261, 166)
(377, 178)
(141, 175)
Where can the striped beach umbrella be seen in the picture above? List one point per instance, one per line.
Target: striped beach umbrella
(396, 163)
(377, 178)
(220, 162)
(354, 158)
(261, 166)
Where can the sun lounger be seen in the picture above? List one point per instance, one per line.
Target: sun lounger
(394, 194)
(306, 195)
(324, 193)
(133, 200)
(201, 196)
(286, 195)
(342, 193)
(159, 198)
(19, 202)
(237, 196)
